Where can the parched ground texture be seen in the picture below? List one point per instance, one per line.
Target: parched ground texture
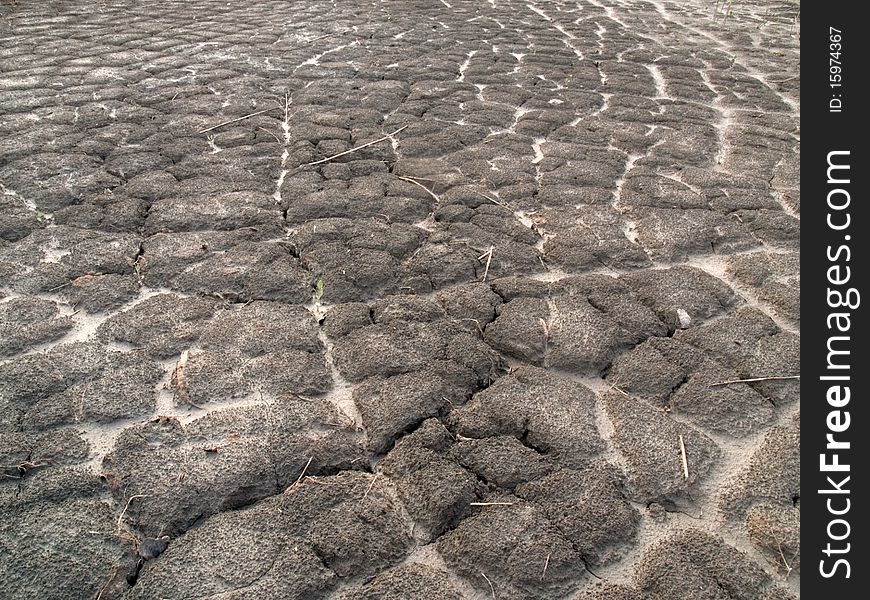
(424, 300)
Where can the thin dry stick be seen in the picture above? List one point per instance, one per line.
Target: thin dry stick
(418, 178)
(124, 512)
(112, 574)
(371, 485)
(302, 474)
(490, 504)
(788, 567)
(270, 133)
(491, 589)
(417, 183)
(81, 407)
(614, 386)
(488, 255)
(793, 556)
(314, 479)
(366, 145)
(320, 37)
(179, 372)
(545, 327)
(755, 379)
(253, 114)
(546, 564)
(683, 458)
(493, 200)
(181, 382)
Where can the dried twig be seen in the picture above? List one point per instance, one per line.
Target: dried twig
(287, 102)
(126, 506)
(371, 485)
(253, 114)
(785, 563)
(24, 467)
(272, 134)
(417, 183)
(778, 378)
(301, 475)
(545, 327)
(80, 408)
(546, 564)
(418, 178)
(111, 577)
(476, 324)
(366, 145)
(616, 387)
(683, 458)
(488, 255)
(783, 80)
(491, 589)
(320, 37)
(180, 381)
(493, 200)
(314, 479)
(793, 556)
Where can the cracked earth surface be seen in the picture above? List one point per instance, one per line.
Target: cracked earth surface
(399, 300)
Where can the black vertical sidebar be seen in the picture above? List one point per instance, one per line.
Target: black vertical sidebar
(834, 262)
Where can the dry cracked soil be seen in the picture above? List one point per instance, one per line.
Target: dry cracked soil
(399, 300)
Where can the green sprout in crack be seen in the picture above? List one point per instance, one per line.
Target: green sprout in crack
(318, 290)
(40, 216)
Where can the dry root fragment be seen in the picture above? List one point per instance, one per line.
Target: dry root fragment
(684, 460)
(179, 381)
(488, 255)
(377, 141)
(751, 379)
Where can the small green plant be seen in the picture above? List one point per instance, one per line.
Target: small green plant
(40, 216)
(318, 290)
